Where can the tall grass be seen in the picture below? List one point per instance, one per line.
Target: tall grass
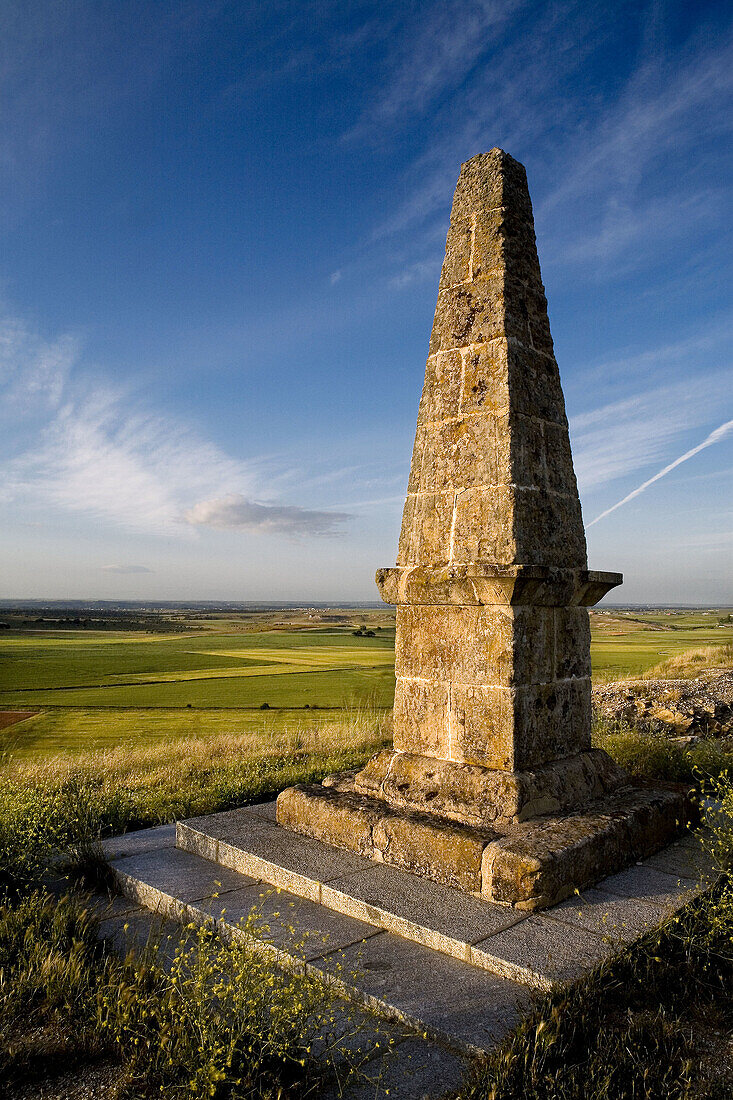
(651, 755)
(217, 1021)
(688, 665)
(55, 804)
(221, 1021)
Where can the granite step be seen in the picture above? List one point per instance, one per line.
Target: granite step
(537, 949)
(371, 1058)
(448, 1000)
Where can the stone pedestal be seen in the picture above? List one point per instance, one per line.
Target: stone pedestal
(492, 785)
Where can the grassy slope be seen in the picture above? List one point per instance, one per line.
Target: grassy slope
(101, 688)
(654, 1025)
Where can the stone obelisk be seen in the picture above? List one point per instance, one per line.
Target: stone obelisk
(492, 785)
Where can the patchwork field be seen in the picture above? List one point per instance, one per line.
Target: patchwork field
(81, 688)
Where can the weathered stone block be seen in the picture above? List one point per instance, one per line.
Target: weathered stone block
(541, 863)
(443, 381)
(539, 326)
(425, 537)
(470, 644)
(522, 453)
(482, 726)
(660, 813)
(457, 261)
(534, 384)
(441, 850)
(462, 792)
(519, 727)
(489, 240)
(343, 820)
(466, 315)
(572, 643)
(370, 779)
(485, 378)
(480, 188)
(530, 866)
(491, 180)
(559, 461)
(532, 658)
(458, 453)
(481, 796)
(548, 528)
(421, 716)
(550, 721)
(483, 526)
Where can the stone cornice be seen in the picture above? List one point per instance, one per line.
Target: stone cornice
(485, 583)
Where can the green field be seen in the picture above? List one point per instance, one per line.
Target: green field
(97, 689)
(630, 652)
(100, 688)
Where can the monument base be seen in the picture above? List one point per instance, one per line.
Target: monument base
(528, 865)
(475, 795)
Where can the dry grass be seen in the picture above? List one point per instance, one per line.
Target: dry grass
(688, 665)
(358, 733)
(69, 800)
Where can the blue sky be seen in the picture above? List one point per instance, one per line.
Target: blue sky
(221, 229)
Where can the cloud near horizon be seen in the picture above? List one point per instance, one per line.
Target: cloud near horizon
(236, 512)
(126, 569)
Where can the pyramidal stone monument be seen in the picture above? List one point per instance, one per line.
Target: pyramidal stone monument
(492, 785)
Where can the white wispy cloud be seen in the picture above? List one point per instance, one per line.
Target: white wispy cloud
(416, 272)
(237, 512)
(705, 348)
(620, 437)
(714, 437)
(33, 370)
(130, 467)
(626, 173)
(664, 108)
(432, 55)
(110, 458)
(707, 540)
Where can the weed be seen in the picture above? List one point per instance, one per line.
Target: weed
(655, 756)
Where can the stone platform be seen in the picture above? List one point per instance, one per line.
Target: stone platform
(528, 865)
(457, 967)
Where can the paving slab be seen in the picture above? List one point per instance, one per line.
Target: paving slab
(168, 879)
(290, 923)
(252, 845)
(645, 883)
(141, 929)
(417, 908)
(266, 810)
(466, 1007)
(541, 952)
(616, 919)
(108, 908)
(142, 840)
(684, 861)
(412, 1070)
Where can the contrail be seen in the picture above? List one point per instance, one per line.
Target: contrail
(714, 437)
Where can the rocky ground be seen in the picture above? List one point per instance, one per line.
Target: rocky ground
(689, 708)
